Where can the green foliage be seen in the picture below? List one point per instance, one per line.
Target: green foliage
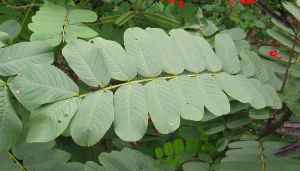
(55, 24)
(195, 166)
(8, 31)
(179, 91)
(11, 27)
(97, 111)
(224, 14)
(252, 155)
(287, 36)
(41, 84)
(123, 161)
(130, 104)
(284, 34)
(18, 56)
(6, 163)
(44, 158)
(11, 126)
(48, 122)
(247, 155)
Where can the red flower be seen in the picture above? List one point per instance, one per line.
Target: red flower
(181, 4)
(171, 1)
(247, 2)
(274, 54)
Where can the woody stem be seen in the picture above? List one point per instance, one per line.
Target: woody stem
(291, 55)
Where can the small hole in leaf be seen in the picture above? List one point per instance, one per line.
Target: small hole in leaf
(59, 121)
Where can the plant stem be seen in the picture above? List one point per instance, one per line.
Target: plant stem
(19, 6)
(138, 81)
(286, 75)
(271, 127)
(26, 17)
(16, 161)
(262, 156)
(290, 62)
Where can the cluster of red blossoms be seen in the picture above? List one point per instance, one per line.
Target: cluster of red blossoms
(180, 4)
